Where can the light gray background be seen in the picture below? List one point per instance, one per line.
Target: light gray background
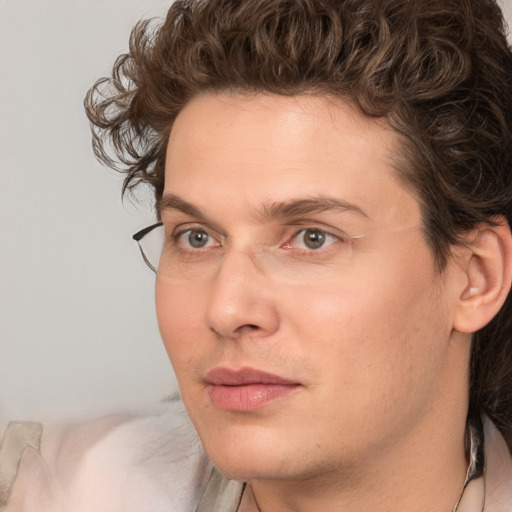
(77, 325)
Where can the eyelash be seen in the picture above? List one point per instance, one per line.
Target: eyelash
(329, 239)
(176, 238)
(287, 245)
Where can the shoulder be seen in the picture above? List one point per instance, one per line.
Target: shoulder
(148, 459)
(498, 470)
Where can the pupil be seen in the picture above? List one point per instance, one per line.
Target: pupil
(314, 239)
(198, 239)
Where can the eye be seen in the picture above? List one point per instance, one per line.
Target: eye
(195, 239)
(311, 239)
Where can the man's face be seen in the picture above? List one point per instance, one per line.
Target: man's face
(298, 300)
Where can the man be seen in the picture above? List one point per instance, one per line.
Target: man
(333, 189)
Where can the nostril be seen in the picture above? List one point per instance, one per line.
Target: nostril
(246, 328)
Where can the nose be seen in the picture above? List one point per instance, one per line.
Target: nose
(241, 301)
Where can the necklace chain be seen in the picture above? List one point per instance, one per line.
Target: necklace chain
(475, 453)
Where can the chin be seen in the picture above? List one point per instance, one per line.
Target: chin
(246, 457)
(249, 470)
(239, 472)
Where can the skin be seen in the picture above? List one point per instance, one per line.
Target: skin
(364, 324)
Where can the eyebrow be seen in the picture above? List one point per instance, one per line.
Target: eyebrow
(174, 202)
(271, 211)
(307, 205)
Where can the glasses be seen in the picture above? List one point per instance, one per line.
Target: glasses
(294, 252)
(151, 241)
(291, 253)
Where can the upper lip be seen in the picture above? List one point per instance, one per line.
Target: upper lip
(244, 377)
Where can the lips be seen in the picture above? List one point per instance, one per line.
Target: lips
(246, 389)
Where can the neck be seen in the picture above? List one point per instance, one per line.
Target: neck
(423, 476)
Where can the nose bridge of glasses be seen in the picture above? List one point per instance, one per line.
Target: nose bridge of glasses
(245, 258)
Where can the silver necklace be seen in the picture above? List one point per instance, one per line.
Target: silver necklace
(475, 454)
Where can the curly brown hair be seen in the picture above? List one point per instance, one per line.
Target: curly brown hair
(439, 71)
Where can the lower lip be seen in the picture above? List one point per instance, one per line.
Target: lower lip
(248, 397)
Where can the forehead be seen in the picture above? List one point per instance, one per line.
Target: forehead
(251, 148)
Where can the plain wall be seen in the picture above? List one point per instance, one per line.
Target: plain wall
(77, 323)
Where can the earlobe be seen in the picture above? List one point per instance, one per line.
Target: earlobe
(489, 275)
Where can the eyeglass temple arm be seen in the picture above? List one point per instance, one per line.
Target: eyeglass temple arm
(143, 232)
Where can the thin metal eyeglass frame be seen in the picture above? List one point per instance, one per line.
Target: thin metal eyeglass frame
(140, 235)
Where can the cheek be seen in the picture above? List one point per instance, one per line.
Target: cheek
(179, 314)
(374, 331)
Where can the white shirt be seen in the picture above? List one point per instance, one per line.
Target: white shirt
(153, 460)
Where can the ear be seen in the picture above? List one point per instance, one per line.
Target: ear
(488, 268)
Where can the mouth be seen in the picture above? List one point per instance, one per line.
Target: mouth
(246, 389)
